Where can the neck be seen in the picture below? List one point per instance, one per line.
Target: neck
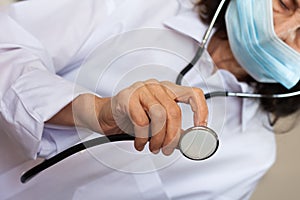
(223, 58)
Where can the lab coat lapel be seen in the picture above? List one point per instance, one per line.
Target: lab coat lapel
(188, 23)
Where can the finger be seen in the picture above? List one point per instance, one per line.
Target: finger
(157, 115)
(173, 129)
(168, 136)
(141, 137)
(140, 122)
(158, 127)
(142, 108)
(199, 107)
(171, 143)
(138, 116)
(193, 96)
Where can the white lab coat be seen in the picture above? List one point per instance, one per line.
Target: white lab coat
(105, 45)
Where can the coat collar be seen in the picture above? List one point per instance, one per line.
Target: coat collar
(187, 23)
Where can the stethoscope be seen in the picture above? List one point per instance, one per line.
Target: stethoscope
(196, 143)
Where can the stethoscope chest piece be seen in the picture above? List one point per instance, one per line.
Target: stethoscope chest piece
(198, 143)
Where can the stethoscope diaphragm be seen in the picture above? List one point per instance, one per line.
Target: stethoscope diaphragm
(198, 143)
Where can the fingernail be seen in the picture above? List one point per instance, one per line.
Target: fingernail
(168, 151)
(139, 148)
(203, 123)
(155, 151)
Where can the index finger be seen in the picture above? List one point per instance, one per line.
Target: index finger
(190, 95)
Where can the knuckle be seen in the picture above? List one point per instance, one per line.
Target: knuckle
(174, 112)
(151, 81)
(137, 84)
(158, 112)
(198, 91)
(124, 95)
(141, 122)
(166, 83)
(135, 87)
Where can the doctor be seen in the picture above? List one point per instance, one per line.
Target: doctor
(52, 96)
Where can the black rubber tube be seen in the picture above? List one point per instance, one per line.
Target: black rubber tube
(71, 151)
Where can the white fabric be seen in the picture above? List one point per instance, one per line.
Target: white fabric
(44, 45)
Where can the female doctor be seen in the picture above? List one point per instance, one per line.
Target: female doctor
(50, 98)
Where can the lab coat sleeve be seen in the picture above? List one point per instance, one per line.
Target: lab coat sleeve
(30, 91)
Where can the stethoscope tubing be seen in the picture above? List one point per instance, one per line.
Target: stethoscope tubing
(126, 137)
(71, 151)
(202, 47)
(251, 95)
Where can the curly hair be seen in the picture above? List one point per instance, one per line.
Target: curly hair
(278, 107)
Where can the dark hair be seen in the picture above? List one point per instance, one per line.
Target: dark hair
(279, 107)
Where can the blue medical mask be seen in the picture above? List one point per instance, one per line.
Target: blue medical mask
(256, 46)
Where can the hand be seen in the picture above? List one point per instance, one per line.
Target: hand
(150, 108)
